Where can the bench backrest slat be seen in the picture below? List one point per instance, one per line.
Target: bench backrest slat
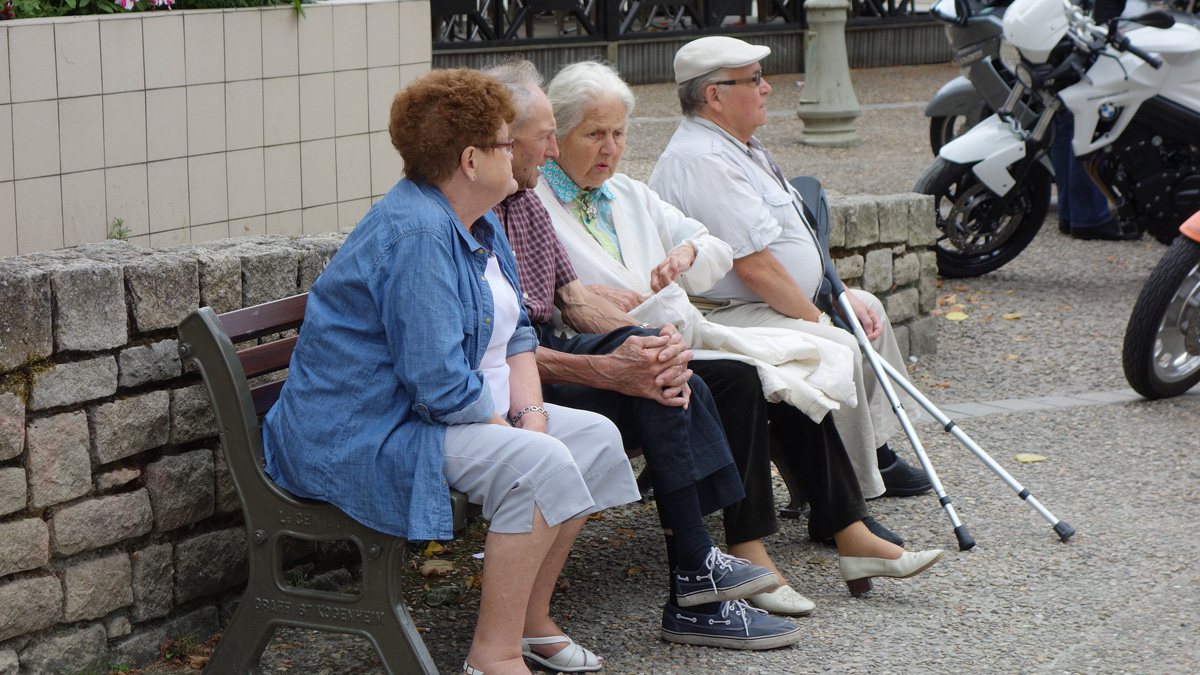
(273, 317)
(268, 358)
(265, 395)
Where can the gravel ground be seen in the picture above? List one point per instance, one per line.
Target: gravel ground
(1121, 597)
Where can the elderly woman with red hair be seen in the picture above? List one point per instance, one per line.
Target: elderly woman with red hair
(414, 373)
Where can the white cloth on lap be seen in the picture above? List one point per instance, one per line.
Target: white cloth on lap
(812, 374)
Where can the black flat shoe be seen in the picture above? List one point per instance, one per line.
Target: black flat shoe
(904, 480)
(873, 525)
(1110, 231)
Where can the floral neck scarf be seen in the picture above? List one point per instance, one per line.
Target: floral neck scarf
(592, 208)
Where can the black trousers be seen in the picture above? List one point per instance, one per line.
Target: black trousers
(682, 447)
(815, 452)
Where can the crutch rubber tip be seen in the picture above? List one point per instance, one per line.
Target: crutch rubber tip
(965, 541)
(1064, 530)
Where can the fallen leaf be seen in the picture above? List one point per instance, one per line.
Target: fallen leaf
(1012, 315)
(961, 289)
(564, 585)
(1009, 292)
(974, 297)
(196, 661)
(985, 306)
(629, 533)
(1011, 356)
(1112, 258)
(940, 385)
(1064, 307)
(1028, 458)
(1021, 339)
(937, 311)
(475, 581)
(986, 318)
(436, 568)
(432, 549)
(634, 571)
(947, 300)
(956, 316)
(939, 283)
(596, 516)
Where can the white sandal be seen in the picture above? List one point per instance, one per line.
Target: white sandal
(468, 670)
(572, 658)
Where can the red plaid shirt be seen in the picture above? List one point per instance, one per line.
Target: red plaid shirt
(542, 264)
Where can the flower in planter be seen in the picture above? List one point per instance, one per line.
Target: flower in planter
(163, 3)
(126, 4)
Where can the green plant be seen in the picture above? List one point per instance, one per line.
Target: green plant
(299, 579)
(179, 648)
(118, 230)
(117, 668)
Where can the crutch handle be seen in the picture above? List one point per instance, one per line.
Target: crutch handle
(965, 541)
(1064, 530)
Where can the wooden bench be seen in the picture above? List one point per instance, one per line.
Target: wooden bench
(272, 515)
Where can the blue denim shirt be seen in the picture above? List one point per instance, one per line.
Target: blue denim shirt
(394, 332)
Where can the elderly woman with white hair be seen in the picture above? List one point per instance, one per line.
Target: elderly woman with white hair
(618, 233)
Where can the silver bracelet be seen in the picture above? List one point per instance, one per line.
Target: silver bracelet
(513, 419)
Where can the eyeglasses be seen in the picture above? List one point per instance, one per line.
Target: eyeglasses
(756, 79)
(508, 146)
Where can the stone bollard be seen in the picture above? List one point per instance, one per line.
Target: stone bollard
(828, 106)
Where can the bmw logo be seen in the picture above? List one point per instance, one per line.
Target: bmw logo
(1108, 111)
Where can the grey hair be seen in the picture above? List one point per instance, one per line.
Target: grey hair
(580, 85)
(522, 78)
(691, 92)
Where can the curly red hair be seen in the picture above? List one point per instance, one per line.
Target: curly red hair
(437, 116)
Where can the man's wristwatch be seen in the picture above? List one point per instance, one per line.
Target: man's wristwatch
(824, 319)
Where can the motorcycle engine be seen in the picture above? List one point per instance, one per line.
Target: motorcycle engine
(1159, 178)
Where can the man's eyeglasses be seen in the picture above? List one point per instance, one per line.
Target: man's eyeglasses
(756, 79)
(507, 146)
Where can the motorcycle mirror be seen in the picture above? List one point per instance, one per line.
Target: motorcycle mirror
(1155, 19)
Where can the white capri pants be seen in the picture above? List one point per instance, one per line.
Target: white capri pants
(576, 468)
(872, 422)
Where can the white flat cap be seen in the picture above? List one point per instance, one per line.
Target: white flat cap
(700, 57)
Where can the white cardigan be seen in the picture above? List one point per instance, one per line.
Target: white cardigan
(813, 374)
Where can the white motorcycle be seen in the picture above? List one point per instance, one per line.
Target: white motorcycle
(1133, 86)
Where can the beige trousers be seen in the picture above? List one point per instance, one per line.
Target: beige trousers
(872, 422)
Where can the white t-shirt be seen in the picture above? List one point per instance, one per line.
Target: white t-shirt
(504, 324)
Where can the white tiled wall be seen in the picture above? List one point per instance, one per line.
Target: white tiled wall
(198, 125)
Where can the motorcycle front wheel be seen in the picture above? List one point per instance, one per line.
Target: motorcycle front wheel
(1161, 355)
(943, 129)
(977, 235)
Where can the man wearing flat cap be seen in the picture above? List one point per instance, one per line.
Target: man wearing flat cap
(716, 171)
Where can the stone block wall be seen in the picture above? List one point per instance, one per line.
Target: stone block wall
(119, 524)
(882, 244)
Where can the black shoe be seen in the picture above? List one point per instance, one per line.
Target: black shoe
(873, 525)
(1110, 231)
(903, 480)
(1064, 226)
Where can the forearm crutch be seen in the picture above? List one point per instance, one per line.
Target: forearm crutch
(1061, 527)
(965, 541)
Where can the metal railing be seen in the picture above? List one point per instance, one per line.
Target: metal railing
(466, 24)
